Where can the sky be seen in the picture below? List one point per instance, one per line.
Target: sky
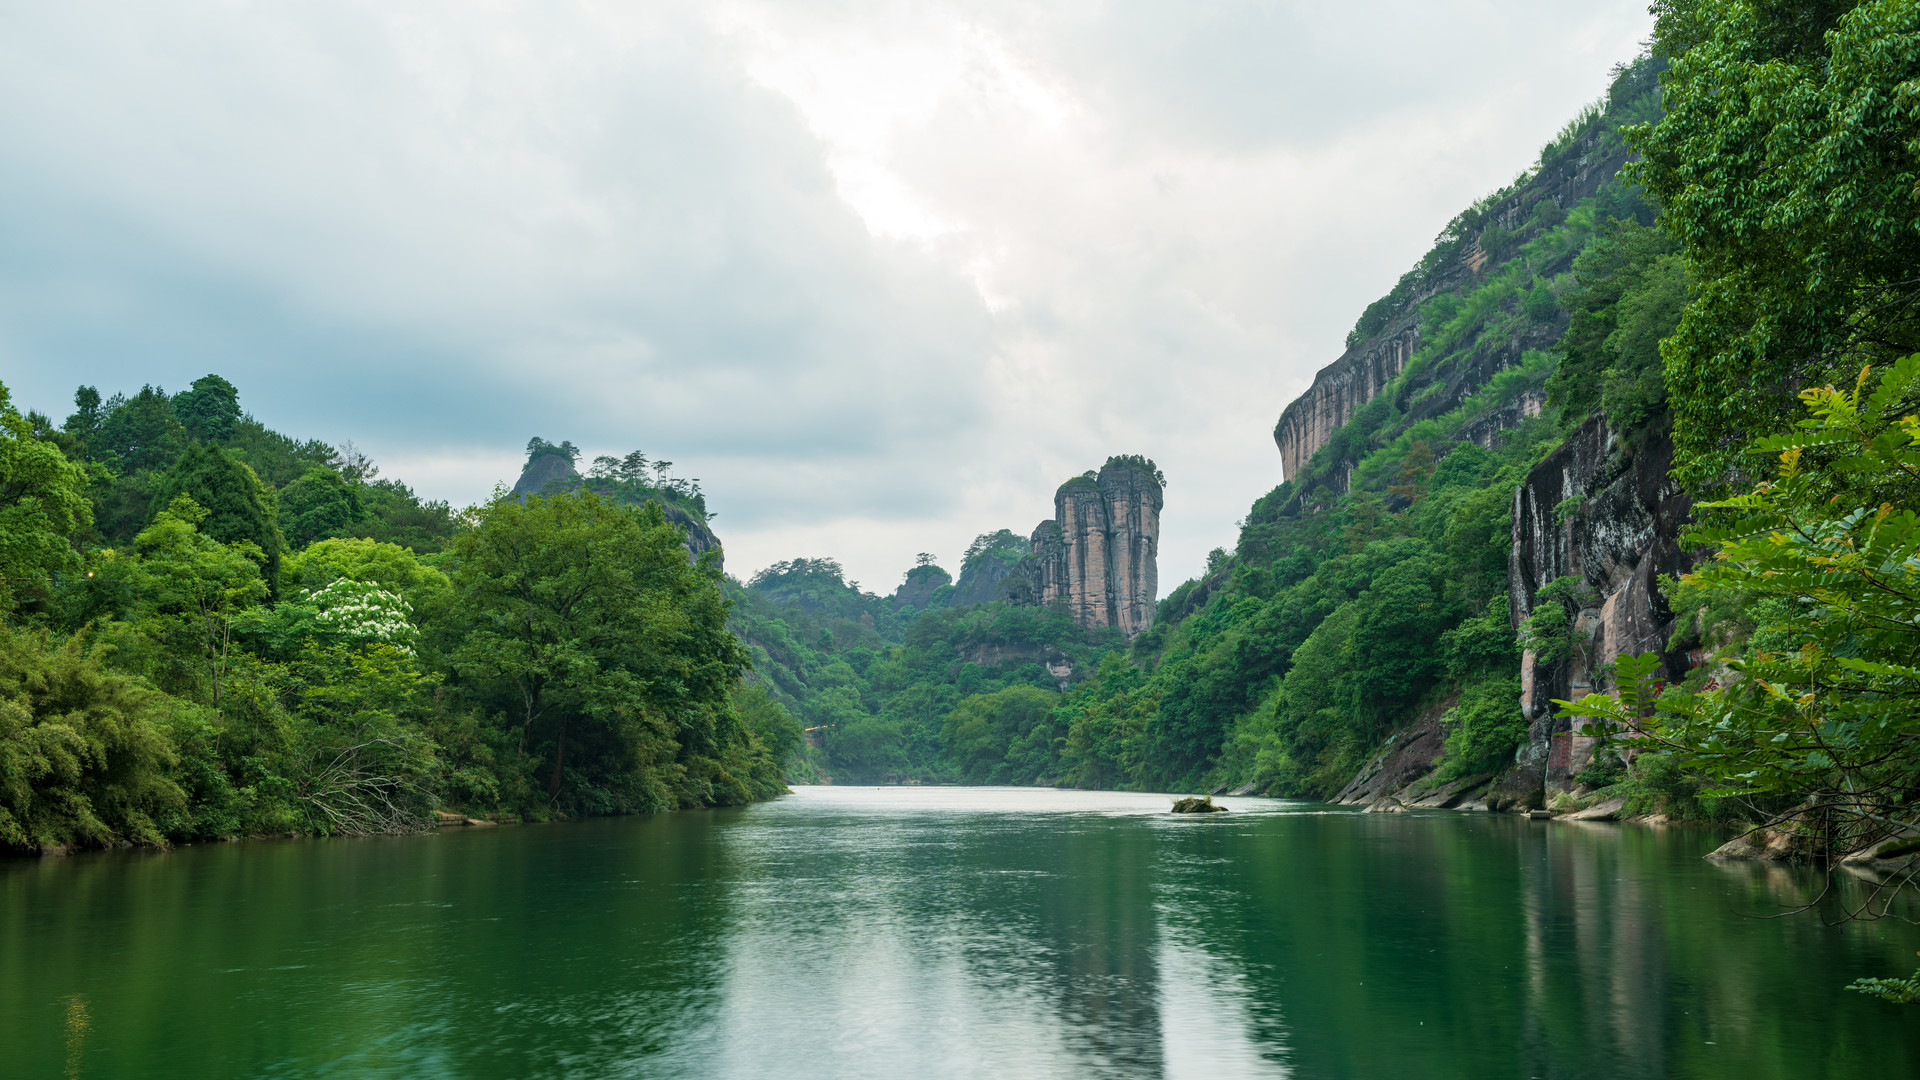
(880, 275)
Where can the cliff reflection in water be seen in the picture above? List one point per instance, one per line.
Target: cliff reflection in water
(940, 932)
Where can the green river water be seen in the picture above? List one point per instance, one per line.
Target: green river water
(945, 932)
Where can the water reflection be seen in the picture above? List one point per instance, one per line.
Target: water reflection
(945, 933)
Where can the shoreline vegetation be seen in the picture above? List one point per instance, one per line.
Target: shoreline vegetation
(210, 630)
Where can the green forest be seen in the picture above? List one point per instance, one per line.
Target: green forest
(1755, 252)
(214, 630)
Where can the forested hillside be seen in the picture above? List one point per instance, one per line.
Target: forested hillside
(1365, 589)
(1494, 502)
(1638, 426)
(214, 630)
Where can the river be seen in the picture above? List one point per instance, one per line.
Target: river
(945, 932)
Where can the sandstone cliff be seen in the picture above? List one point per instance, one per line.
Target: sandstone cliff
(1372, 364)
(1341, 388)
(1098, 555)
(1605, 513)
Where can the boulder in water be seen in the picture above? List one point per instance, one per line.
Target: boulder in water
(1197, 805)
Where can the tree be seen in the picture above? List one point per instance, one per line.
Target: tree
(182, 590)
(43, 502)
(389, 566)
(83, 754)
(318, 505)
(604, 652)
(139, 433)
(1820, 719)
(981, 730)
(1631, 287)
(238, 507)
(86, 416)
(1784, 164)
(210, 409)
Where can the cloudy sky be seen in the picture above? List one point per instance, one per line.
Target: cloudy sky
(882, 275)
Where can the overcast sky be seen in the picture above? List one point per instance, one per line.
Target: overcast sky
(881, 275)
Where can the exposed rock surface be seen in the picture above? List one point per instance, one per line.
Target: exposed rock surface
(1607, 514)
(1197, 805)
(1408, 756)
(918, 589)
(1366, 369)
(1098, 555)
(545, 470)
(981, 580)
(1340, 389)
(551, 473)
(1605, 811)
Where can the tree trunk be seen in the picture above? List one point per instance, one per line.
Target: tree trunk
(559, 757)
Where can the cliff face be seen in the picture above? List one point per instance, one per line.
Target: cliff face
(1608, 515)
(1340, 389)
(1369, 367)
(544, 470)
(1099, 553)
(918, 589)
(551, 473)
(985, 579)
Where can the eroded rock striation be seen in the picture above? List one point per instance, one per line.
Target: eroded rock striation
(1098, 554)
(1606, 514)
(1370, 366)
(1339, 390)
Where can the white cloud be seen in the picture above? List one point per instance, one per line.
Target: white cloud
(881, 274)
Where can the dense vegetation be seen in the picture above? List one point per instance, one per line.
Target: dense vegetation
(210, 631)
(213, 629)
(1345, 608)
(1763, 243)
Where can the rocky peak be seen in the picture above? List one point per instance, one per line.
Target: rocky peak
(921, 583)
(550, 470)
(1098, 555)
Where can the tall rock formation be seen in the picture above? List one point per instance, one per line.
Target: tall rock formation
(922, 582)
(1098, 555)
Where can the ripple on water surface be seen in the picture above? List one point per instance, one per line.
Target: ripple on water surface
(944, 932)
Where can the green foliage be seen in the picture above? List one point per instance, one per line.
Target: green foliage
(1631, 286)
(1549, 630)
(538, 448)
(1661, 783)
(1822, 712)
(1004, 545)
(1483, 728)
(43, 503)
(319, 504)
(210, 409)
(1004, 737)
(604, 655)
(181, 591)
(138, 433)
(279, 460)
(1899, 991)
(1785, 165)
(363, 697)
(83, 757)
(1136, 462)
(236, 506)
(633, 479)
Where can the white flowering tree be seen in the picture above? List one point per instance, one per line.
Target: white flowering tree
(361, 613)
